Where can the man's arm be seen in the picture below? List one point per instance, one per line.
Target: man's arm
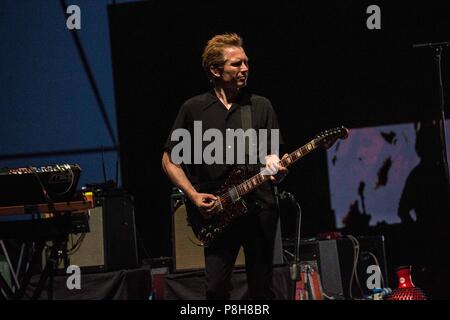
(205, 202)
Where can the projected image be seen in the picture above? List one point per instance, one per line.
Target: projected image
(368, 171)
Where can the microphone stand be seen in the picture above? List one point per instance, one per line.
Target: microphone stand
(295, 268)
(295, 265)
(437, 49)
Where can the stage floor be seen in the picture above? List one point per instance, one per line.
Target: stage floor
(130, 284)
(191, 285)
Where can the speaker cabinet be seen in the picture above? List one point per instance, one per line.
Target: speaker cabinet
(337, 259)
(188, 253)
(110, 243)
(187, 250)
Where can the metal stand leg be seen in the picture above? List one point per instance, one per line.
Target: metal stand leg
(29, 273)
(7, 293)
(49, 271)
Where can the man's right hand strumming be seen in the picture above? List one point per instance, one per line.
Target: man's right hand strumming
(206, 203)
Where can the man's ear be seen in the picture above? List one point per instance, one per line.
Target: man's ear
(215, 71)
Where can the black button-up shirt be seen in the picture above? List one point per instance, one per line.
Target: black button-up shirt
(208, 109)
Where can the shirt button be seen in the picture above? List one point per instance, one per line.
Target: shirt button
(229, 147)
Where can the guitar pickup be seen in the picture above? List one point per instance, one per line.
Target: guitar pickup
(234, 194)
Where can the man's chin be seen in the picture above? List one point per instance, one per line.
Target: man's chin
(241, 84)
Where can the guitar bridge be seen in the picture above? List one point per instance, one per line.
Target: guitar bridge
(219, 206)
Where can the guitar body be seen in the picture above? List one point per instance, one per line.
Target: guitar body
(209, 229)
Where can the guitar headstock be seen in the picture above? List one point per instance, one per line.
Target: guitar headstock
(329, 137)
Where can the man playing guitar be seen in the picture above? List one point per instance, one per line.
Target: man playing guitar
(222, 108)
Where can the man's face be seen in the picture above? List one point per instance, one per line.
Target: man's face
(234, 72)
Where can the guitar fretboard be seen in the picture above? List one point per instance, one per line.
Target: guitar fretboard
(258, 179)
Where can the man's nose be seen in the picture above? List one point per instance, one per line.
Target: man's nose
(244, 67)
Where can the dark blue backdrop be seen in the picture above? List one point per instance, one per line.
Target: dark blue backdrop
(46, 101)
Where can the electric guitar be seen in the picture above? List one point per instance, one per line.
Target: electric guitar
(230, 204)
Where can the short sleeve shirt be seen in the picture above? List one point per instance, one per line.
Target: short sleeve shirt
(206, 109)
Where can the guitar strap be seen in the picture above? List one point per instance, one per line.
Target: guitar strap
(246, 119)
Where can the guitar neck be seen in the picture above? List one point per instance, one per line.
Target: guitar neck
(258, 179)
(299, 153)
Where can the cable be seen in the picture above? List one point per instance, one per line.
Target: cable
(356, 267)
(44, 190)
(71, 183)
(354, 275)
(328, 297)
(353, 269)
(376, 262)
(75, 247)
(141, 242)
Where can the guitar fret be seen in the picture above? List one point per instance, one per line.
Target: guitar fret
(288, 160)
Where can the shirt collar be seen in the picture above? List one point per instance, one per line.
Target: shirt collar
(211, 98)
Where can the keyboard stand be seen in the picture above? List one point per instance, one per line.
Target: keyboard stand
(62, 214)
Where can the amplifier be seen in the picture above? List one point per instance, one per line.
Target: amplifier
(110, 244)
(337, 260)
(187, 250)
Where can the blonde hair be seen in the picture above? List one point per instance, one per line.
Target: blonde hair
(213, 51)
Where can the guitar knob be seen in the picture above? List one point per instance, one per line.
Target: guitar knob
(217, 230)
